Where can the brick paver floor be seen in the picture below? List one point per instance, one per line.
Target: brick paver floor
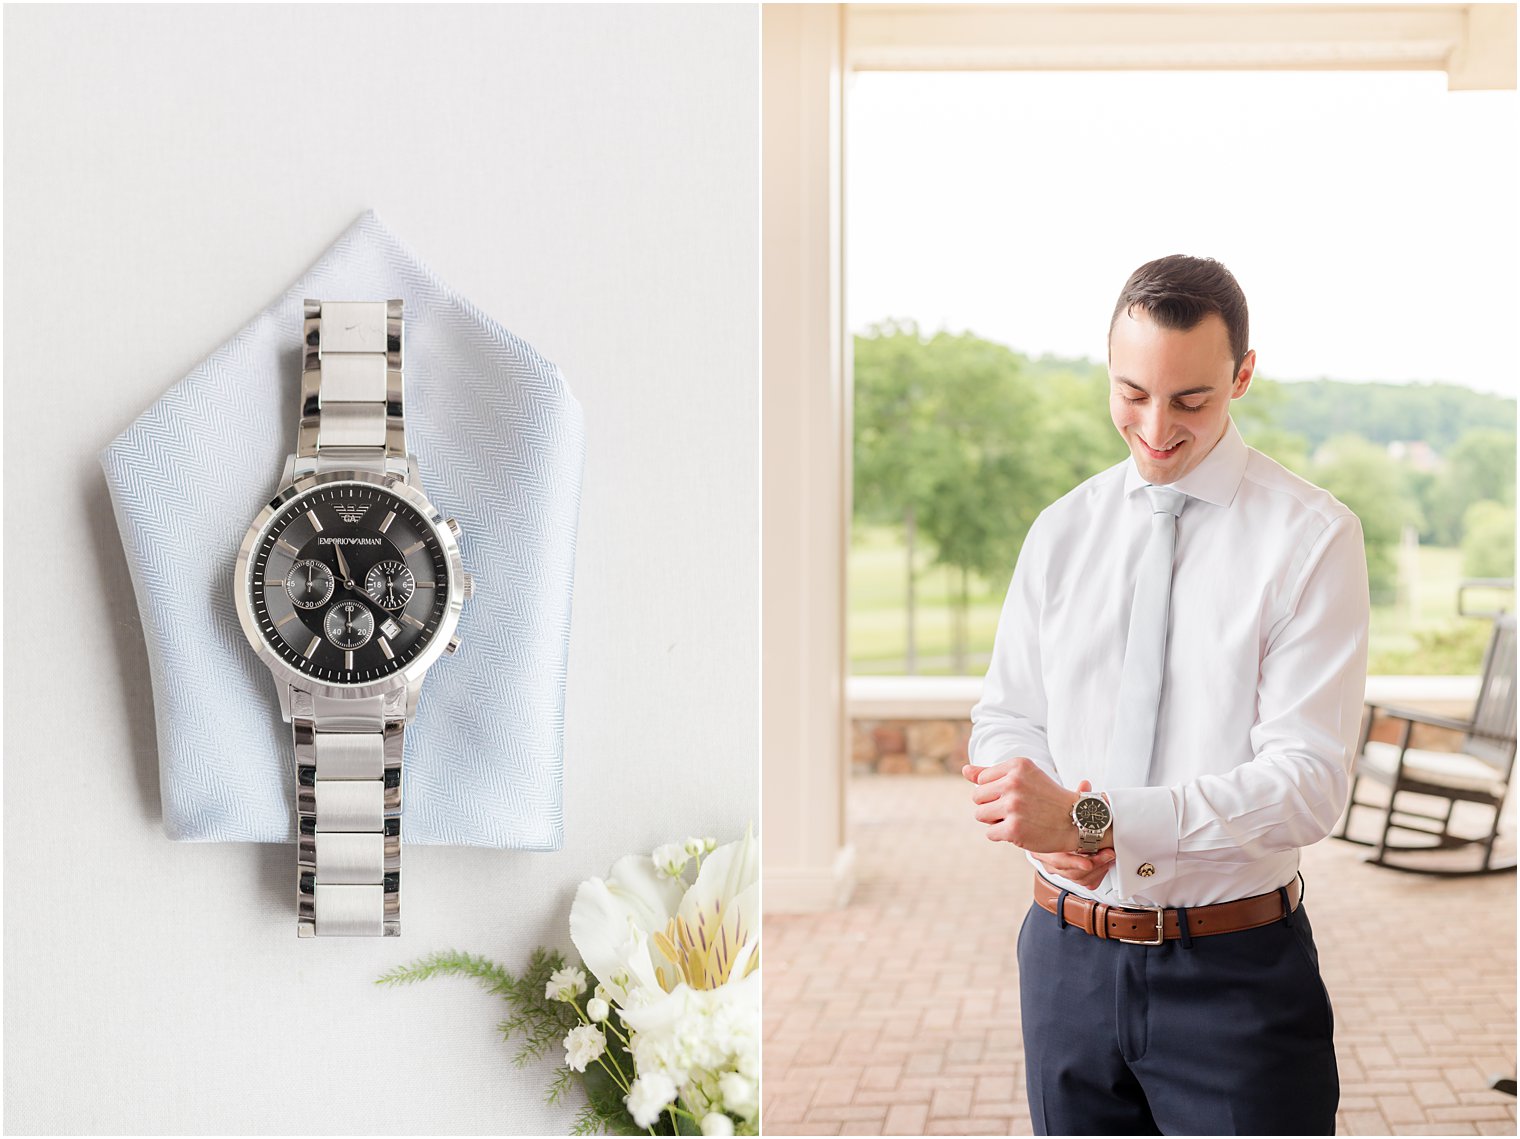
(900, 1013)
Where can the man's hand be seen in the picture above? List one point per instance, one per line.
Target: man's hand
(1022, 805)
(1086, 870)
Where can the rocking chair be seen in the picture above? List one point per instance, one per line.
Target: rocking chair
(1478, 773)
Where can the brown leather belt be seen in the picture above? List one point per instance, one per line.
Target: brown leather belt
(1153, 926)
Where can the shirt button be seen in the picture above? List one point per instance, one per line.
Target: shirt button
(1146, 870)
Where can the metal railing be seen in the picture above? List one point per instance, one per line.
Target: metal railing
(1500, 583)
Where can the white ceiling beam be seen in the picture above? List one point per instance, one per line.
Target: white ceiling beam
(1473, 43)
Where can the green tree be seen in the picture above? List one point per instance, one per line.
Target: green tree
(1079, 437)
(892, 382)
(1481, 466)
(952, 440)
(1291, 450)
(1363, 477)
(1422, 489)
(991, 474)
(1488, 539)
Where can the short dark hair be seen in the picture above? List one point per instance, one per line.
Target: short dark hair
(1179, 291)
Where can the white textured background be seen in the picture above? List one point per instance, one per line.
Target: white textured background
(587, 175)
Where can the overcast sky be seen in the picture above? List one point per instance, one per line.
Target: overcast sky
(1370, 217)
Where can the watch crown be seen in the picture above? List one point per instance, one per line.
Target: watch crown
(467, 585)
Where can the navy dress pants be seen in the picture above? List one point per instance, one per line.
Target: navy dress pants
(1231, 1035)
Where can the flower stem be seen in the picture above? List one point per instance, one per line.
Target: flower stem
(614, 1070)
(617, 1030)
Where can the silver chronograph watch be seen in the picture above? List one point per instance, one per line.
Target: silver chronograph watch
(1093, 817)
(349, 585)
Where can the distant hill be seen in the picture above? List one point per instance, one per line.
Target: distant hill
(1436, 413)
(1317, 410)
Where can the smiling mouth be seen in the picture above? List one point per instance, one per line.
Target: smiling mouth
(1155, 454)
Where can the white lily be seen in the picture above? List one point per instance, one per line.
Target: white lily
(611, 918)
(636, 930)
(715, 933)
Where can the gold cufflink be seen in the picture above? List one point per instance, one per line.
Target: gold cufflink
(1146, 870)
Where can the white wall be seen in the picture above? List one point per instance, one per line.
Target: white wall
(589, 176)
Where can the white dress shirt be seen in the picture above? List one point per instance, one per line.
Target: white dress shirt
(1266, 669)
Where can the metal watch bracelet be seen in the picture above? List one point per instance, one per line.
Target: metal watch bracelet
(348, 752)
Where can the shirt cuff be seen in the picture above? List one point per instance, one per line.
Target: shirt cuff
(1145, 838)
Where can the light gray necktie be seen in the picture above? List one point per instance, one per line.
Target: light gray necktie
(1134, 738)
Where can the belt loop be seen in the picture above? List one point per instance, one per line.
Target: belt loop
(1287, 906)
(1061, 908)
(1099, 917)
(1183, 931)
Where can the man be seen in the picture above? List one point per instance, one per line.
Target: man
(1186, 633)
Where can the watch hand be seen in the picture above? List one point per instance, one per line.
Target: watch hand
(348, 577)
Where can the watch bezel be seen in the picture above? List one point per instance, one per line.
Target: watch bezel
(1107, 811)
(413, 670)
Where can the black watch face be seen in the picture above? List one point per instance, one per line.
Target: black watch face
(1092, 814)
(348, 583)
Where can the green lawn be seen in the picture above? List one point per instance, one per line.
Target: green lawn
(878, 615)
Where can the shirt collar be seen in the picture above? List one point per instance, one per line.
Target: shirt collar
(1215, 480)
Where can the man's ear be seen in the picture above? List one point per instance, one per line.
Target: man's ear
(1244, 376)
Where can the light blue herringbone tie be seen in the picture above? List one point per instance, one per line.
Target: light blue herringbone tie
(1134, 738)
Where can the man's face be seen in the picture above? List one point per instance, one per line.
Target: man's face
(1170, 392)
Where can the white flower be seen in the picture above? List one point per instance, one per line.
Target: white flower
(670, 860)
(681, 965)
(565, 984)
(696, 1037)
(627, 926)
(583, 1045)
(611, 919)
(649, 1096)
(642, 995)
(597, 1009)
(738, 1092)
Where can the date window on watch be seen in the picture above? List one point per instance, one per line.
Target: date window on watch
(390, 628)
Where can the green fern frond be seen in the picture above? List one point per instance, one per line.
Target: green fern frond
(588, 1122)
(560, 1086)
(494, 977)
(537, 1022)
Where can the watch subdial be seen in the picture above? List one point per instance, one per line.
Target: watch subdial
(309, 584)
(349, 624)
(390, 584)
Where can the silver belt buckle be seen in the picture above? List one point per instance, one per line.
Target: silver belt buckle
(1160, 912)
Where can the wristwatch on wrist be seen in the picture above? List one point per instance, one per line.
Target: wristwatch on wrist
(349, 585)
(1093, 818)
